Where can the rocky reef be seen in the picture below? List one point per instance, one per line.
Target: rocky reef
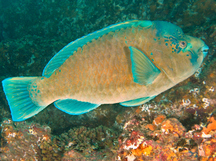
(166, 139)
(27, 141)
(179, 124)
(31, 141)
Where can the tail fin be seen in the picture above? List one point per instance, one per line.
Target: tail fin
(17, 94)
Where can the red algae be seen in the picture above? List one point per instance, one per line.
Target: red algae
(25, 141)
(169, 141)
(211, 126)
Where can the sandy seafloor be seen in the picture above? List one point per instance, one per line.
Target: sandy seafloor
(178, 124)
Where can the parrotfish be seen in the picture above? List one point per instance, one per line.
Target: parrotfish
(128, 63)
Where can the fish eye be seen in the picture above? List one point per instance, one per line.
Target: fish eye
(182, 44)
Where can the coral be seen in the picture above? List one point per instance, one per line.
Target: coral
(211, 126)
(25, 141)
(172, 126)
(169, 140)
(70, 155)
(106, 155)
(87, 140)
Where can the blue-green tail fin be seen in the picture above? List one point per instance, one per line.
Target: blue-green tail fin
(17, 94)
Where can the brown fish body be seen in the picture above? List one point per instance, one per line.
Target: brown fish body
(100, 71)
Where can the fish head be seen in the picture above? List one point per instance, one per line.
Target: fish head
(181, 55)
(195, 50)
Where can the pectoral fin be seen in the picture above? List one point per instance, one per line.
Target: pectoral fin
(137, 102)
(143, 70)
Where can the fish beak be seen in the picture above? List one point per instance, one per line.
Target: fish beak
(204, 50)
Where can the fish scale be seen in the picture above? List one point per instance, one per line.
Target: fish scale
(103, 64)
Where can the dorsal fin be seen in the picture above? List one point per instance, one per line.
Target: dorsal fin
(68, 50)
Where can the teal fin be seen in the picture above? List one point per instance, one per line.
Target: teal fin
(17, 94)
(74, 107)
(137, 102)
(143, 70)
(68, 50)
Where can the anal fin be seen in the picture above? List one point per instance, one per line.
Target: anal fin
(74, 107)
(137, 102)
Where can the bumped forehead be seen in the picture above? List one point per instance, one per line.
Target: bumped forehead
(166, 29)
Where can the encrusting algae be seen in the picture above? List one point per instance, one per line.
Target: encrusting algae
(24, 141)
(168, 141)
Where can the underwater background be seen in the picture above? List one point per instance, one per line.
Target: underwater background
(179, 124)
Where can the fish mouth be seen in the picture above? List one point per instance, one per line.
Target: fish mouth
(204, 50)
